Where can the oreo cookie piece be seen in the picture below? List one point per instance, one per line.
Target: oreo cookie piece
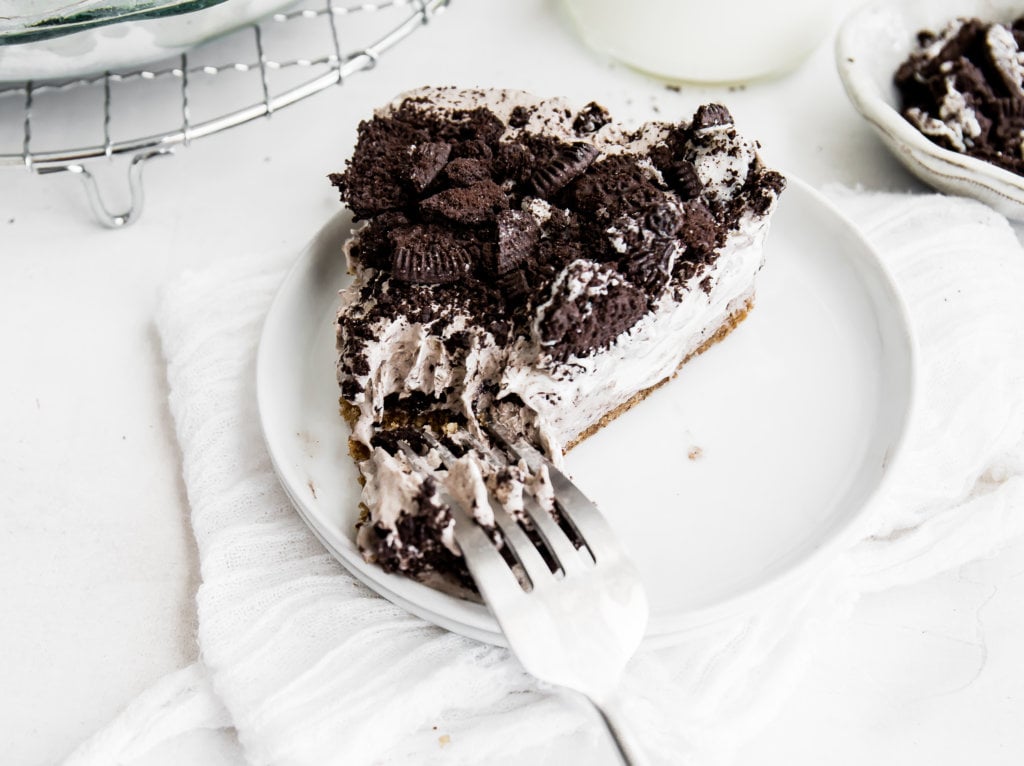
(465, 171)
(475, 204)
(591, 119)
(426, 256)
(711, 116)
(567, 164)
(663, 219)
(583, 319)
(426, 162)
(699, 231)
(682, 178)
(651, 269)
(518, 235)
(963, 88)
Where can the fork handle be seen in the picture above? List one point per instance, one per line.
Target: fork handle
(625, 743)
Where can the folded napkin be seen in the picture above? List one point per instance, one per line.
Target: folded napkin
(310, 667)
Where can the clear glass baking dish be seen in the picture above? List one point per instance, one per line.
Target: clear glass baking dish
(57, 39)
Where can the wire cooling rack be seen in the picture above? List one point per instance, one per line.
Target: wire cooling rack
(222, 84)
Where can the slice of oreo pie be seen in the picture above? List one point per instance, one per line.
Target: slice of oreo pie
(523, 261)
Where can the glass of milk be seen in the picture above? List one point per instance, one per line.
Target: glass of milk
(709, 41)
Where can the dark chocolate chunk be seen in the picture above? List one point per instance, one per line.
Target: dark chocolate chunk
(388, 440)
(426, 256)
(466, 172)
(426, 162)
(518, 235)
(711, 116)
(350, 389)
(571, 161)
(358, 364)
(474, 204)
(590, 119)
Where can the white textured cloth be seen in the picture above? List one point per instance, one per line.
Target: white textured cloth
(310, 667)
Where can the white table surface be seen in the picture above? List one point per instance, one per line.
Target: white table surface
(97, 565)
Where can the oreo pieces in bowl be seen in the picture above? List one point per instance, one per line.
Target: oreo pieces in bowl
(940, 84)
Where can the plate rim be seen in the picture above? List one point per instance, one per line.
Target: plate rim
(473, 619)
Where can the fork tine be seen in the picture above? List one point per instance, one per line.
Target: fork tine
(491, 573)
(576, 508)
(519, 543)
(494, 579)
(561, 547)
(522, 547)
(558, 544)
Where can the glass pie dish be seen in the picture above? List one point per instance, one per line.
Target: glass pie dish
(61, 39)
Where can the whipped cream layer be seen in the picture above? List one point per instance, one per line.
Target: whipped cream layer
(528, 263)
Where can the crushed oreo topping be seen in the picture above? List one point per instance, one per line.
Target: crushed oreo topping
(475, 204)
(568, 163)
(472, 214)
(424, 255)
(466, 172)
(519, 117)
(711, 116)
(963, 88)
(427, 160)
(518, 237)
(579, 325)
(591, 119)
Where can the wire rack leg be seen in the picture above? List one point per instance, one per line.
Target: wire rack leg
(92, 188)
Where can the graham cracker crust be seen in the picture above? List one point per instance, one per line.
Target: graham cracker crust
(724, 329)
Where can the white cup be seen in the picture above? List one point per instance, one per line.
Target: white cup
(710, 41)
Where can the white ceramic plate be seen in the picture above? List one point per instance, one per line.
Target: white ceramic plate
(796, 418)
(871, 45)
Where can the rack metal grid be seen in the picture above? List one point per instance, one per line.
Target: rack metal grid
(328, 67)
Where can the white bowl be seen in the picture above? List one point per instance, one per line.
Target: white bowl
(871, 45)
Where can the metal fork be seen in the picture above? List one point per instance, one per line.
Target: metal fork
(576, 610)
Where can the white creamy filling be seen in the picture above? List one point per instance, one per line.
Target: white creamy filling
(391, 486)
(722, 162)
(643, 356)
(404, 357)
